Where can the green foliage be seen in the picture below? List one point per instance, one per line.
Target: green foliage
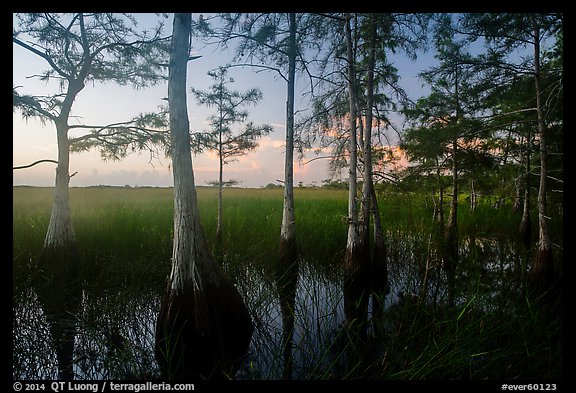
(229, 110)
(94, 48)
(108, 44)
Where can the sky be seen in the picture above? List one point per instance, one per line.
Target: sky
(104, 104)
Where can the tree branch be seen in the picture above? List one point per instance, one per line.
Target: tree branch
(269, 68)
(42, 55)
(34, 163)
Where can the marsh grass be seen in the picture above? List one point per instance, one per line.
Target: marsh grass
(496, 330)
(116, 335)
(33, 356)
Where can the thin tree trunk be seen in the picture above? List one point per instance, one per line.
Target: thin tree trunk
(525, 227)
(437, 239)
(220, 178)
(355, 266)
(287, 266)
(204, 327)
(367, 150)
(543, 267)
(378, 282)
(472, 197)
(440, 217)
(520, 184)
(451, 236)
(219, 219)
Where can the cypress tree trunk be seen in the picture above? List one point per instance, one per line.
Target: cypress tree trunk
(367, 185)
(203, 328)
(543, 267)
(356, 270)
(377, 282)
(286, 270)
(525, 228)
(440, 216)
(219, 219)
(58, 284)
(473, 200)
(450, 235)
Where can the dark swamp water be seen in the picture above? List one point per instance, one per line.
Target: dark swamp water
(111, 334)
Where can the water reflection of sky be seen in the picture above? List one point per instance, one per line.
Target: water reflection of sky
(115, 334)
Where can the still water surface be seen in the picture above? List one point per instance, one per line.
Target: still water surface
(114, 328)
